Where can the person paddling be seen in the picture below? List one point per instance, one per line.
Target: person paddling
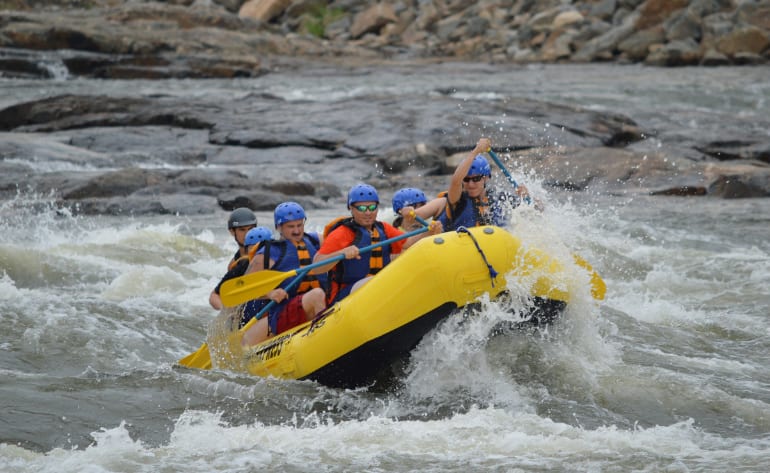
(294, 250)
(345, 236)
(253, 239)
(469, 202)
(415, 198)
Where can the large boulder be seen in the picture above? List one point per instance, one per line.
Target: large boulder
(263, 10)
(372, 20)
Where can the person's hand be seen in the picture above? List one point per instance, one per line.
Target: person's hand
(522, 191)
(351, 252)
(435, 227)
(278, 294)
(483, 145)
(408, 215)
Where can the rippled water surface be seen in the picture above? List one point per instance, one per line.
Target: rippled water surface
(669, 373)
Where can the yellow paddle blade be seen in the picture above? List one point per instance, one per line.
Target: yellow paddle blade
(598, 288)
(251, 286)
(201, 359)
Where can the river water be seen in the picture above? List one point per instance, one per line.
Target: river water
(669, 373)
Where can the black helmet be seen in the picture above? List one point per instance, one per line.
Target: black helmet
(241, 217)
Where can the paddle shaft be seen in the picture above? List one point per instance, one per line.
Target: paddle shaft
(303, 272)
(513, 182)
(254, 285)
(369, 248)
(598, 288)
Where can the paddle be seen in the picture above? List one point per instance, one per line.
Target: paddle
(598, 288)
(513, 182)
(253, 285)
(201, 358)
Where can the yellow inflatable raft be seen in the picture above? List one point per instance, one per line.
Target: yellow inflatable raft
(354, 340)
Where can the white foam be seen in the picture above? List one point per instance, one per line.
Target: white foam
(8, 288)
(481, 439)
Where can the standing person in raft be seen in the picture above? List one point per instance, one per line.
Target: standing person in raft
(469, 202)
(294, 250)
(345, 236)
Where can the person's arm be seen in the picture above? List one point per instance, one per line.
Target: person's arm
(456, 184)
(257, 263)
(400, 246)
(433, 208)
(434, 228)
(336, 243)
(215, 301)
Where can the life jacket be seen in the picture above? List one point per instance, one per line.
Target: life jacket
(254, 248)
(287, 257)
(472, 212)
(234, 262)
(348, 271)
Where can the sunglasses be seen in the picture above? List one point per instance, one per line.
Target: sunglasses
(473, 178)
(364, 208)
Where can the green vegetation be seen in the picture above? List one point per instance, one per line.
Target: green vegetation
(319, 17)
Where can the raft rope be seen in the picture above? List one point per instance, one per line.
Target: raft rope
(492, 272)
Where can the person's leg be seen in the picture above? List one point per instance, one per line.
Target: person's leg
(313, 302)
(256, 333)
(359, 283)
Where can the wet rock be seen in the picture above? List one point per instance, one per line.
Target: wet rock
(675, 53)
(683, 190)
(420, 159)
(264, 200)
(601, 169)
(747, 149)
(751, 59)
(604, 9)
(230, 5)
(637, 46)
(49, 152)
(118, 183)
(655, 12)
(739, 181)
(683, 25)
(748, 39)
(623, 172)
(13, 176)
(69, 112)
(714, 58)
(607, 42)
(128, 156)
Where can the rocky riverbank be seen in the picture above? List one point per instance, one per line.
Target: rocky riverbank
(142, 153)
(237, 38)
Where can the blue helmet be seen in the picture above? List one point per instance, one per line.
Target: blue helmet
(241, 217)
(408, 196)
(362, 193)
(480, 167)
(288, 211)
(256, 235)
